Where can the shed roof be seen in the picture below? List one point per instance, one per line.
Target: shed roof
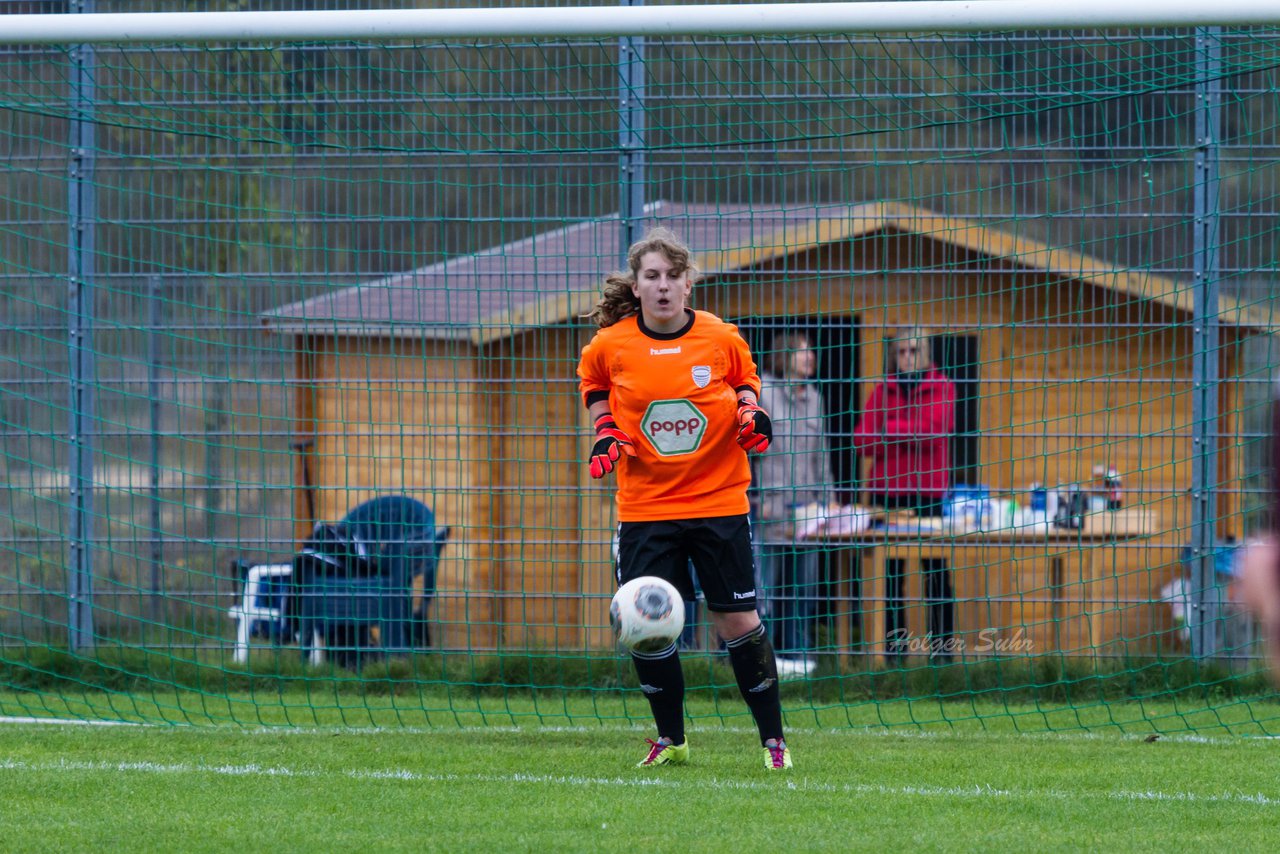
(553, 276)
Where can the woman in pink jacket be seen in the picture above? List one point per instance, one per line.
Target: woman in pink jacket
(905, 430)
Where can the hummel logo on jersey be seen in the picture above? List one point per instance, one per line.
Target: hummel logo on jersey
(748, 595)
(664, 351)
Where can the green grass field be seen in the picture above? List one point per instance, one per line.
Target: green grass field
(507, 775)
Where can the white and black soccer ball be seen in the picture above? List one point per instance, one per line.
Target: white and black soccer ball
(647, 614)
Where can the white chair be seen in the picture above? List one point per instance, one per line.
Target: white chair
(257, 605)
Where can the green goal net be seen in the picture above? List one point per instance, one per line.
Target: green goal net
(252, 289)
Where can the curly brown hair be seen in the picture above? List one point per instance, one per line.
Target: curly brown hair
(617, 300)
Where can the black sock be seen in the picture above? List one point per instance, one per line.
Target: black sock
(662, 680)
(753, 664)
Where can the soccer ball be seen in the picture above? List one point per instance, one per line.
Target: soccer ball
(647, 614)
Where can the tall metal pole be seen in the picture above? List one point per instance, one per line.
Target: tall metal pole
(81, 214)
(153, 404)
(631, 133)
(1205, 600)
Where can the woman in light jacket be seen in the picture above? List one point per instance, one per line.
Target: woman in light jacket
(794, 474)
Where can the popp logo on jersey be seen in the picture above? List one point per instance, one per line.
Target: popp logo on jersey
(673, 427)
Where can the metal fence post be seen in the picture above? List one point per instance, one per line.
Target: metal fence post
(81, 215)
(154, 319)
(1204, 613)
(631, 138)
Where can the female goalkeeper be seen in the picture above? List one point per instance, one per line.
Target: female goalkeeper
(673, 396)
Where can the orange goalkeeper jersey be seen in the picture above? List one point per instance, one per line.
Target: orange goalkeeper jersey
(676, 395)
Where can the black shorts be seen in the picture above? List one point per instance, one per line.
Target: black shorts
(720, 548)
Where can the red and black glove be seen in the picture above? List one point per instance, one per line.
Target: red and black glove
(611, 444)
(755, 430)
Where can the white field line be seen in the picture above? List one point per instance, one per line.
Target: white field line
(802, 785)
(12, 719)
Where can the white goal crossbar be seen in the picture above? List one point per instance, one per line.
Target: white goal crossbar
(661, 20)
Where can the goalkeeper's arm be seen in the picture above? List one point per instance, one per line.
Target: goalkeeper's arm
(611, 442)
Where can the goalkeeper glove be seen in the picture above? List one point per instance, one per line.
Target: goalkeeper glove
(755, 430)
(611, 444)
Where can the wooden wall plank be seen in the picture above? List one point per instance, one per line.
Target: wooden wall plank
(541, 446)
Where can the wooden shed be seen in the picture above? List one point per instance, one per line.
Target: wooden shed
(455, 384)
